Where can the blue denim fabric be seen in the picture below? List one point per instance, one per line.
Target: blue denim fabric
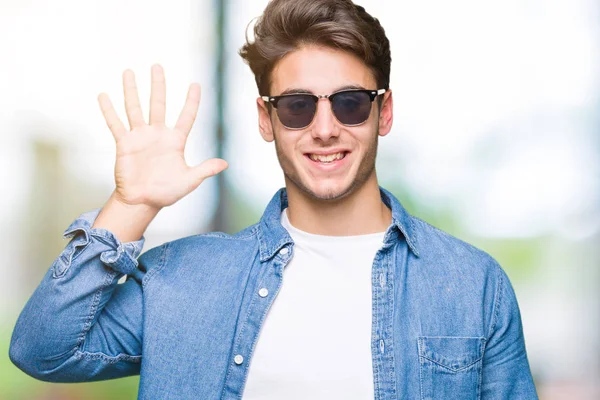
(445, 325)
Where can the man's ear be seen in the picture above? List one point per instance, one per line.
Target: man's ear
(386, 113)
(265, 126)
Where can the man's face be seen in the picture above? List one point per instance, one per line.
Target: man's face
(320, 71)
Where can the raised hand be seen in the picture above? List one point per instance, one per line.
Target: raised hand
(150, 167)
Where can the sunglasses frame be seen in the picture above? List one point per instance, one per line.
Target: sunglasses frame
(316, 97)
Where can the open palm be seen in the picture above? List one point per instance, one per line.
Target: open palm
(150, 167)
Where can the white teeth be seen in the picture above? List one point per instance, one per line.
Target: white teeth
(326, 159)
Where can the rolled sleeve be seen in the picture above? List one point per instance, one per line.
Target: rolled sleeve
(80, 324)
(121, 257)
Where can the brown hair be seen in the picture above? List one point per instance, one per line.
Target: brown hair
(287, 25)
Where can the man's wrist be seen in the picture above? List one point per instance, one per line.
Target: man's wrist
(127, 222)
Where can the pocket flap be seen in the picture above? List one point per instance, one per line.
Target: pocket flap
(452, 352)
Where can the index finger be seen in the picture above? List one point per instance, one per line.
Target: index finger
(190, 110)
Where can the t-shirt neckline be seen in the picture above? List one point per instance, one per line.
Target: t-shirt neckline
(301, 235)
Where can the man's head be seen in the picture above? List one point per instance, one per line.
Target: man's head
(321, 48)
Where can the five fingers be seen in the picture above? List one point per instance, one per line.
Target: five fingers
(157, 105)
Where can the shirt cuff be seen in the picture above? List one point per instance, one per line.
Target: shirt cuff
(121, 257)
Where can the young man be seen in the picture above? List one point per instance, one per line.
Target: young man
(376, 303)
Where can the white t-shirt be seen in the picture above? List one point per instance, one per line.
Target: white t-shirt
(316, 339)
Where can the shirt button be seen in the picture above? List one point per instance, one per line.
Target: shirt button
(284, 251)
(263, 292)
(238, 359)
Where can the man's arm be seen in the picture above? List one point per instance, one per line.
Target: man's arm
(506, 371)
(79, 324)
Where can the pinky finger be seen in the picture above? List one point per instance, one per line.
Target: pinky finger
(110, 116)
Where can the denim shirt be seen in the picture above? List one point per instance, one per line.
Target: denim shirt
(445, 323)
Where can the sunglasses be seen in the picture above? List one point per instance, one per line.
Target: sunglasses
(351, 107)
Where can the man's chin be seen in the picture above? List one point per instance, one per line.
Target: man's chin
(320, 190)
(328, 192)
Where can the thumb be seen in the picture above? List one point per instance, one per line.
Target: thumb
(205, 170)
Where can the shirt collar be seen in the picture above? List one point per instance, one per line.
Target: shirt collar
(273, 236)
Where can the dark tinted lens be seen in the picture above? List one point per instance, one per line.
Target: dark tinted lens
(351, 108)
(296, 111)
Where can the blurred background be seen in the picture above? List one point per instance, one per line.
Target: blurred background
(495, 140)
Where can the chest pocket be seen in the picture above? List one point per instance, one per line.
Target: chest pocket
(450, 367)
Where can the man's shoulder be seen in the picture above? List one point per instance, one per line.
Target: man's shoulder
(205, 245)
(216, 241)
(442, 249)
(201, 256)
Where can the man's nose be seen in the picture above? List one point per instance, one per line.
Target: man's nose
(325, 124)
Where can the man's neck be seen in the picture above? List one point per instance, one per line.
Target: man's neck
(359, 213)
